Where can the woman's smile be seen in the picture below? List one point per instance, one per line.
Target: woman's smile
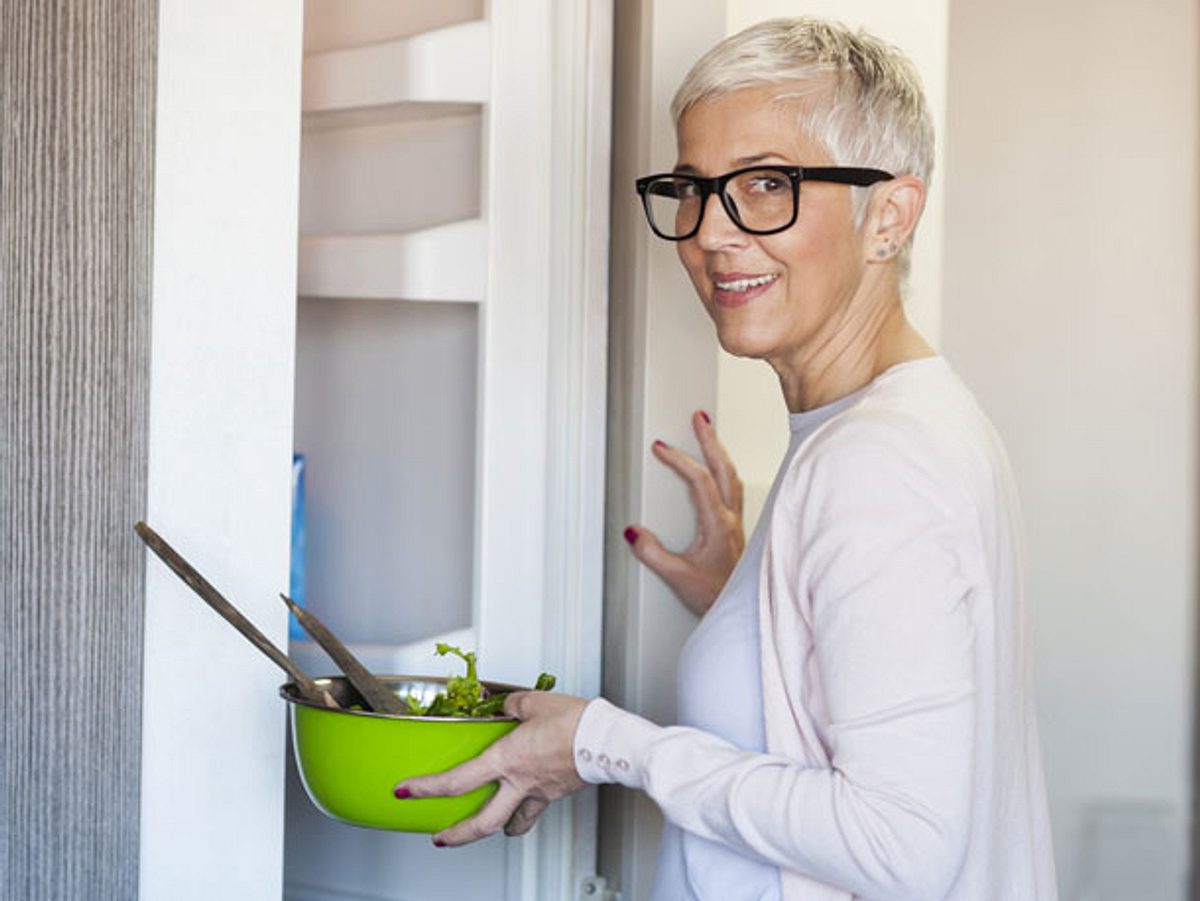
(736, 289)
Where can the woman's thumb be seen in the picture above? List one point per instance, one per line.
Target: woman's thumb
(648, 549)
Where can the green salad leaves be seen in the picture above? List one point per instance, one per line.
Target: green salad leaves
(465, 696)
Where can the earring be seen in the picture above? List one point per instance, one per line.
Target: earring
(881, 252)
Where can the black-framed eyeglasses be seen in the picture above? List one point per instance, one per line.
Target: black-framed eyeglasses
(761, 200)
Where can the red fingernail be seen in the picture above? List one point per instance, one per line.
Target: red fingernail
(705, 417)
(402, 793)
(438, 843)
(631, 535)
(660, 444)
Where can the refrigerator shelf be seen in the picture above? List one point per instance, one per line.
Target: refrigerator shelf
(442, 263)
(424, 73)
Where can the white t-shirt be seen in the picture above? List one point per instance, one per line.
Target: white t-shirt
(902, 754)
(721, 660)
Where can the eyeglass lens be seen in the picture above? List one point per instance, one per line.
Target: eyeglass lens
(757, 199)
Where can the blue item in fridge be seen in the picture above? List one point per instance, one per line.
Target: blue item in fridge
(296, 576)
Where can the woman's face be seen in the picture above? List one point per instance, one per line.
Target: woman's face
(775, 297)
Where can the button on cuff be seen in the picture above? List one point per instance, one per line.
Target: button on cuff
(614, 741)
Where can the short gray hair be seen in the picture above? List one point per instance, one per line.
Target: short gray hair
(865, 103)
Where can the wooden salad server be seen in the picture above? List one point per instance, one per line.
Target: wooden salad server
(377, 696)
(305, 686)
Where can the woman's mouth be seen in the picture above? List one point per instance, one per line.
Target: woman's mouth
(736, 289)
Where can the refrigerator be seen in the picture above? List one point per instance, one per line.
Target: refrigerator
(450, 388)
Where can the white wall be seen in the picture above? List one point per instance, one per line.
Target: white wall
(750, 414)
(1071, 292)
(227, 152)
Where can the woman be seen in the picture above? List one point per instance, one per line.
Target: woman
(883, 744)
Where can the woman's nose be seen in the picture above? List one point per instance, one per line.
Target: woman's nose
(717, 229)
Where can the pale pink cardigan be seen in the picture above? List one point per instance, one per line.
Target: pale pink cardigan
(902, 745)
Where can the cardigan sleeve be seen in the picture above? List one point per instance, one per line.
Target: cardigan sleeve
(875, 557)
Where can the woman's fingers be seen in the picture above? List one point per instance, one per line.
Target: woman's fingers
(706, 497)
(695, 580)
(719, 464)
(495, 814)
(698, 574)
(463, 778)
(533, 765)
(525, 816)
(507, 810)
(667, 565)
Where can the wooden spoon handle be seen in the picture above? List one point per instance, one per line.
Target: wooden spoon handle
(307, 688)
(377, 695)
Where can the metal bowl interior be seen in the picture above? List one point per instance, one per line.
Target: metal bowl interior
(350, 760)
(422, 688)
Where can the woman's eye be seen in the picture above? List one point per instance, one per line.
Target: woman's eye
(768, 184)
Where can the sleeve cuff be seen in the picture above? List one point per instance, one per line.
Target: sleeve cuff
(611, 745)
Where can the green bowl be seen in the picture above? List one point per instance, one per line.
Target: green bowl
(350, 760)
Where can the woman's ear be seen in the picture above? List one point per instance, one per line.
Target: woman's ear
(892, 216)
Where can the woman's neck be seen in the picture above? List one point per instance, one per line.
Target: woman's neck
(853, 357)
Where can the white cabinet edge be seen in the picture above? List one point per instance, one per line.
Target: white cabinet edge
(447, 65)
(443, 263)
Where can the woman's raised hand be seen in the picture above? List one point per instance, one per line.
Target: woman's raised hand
(534, 765)
(698, 574)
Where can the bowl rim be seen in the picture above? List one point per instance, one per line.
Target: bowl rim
(290, 693)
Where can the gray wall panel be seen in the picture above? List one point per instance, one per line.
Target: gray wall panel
(76, 160)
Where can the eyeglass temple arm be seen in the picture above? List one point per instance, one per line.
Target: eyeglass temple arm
(845, 175)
